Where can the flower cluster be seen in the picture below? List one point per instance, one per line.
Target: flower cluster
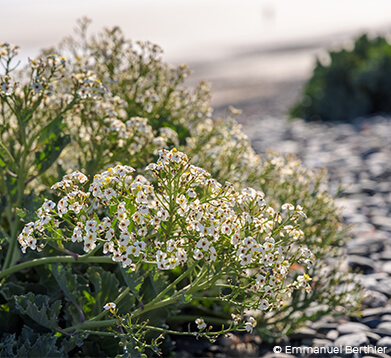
(183, 216)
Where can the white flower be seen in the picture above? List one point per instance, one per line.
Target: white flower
(213, 253)
(225, 229)
(200, 323)
(109, 306)
(191, 193)
(263, 305)
(82, 92)
(260, 280)
(7, 88)
(108, 247)
(133, 250)
(36, 87)
(91, 225)
(287, 206)
(203, 244)
(48, 205)
(171, 244)
(250, 324)
(198, 255)
(245, 259)
(126, 261)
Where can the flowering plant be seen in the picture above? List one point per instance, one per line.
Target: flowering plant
(32, 136)
(182, 221)
(116, 101)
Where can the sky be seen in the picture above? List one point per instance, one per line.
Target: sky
(193, 30)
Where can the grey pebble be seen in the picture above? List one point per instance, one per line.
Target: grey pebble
(375, 299)
(384, 342)
(333, 334)
(352, 327)
(386, 325)
(382, 222)
(362, 264)
(303, 333)
(354, 339)
(387, 266)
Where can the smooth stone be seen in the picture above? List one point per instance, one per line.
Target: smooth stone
(277, 355)
(379, 311)
(384, 332)
(385, 255)
(332, 335)
(386, 318)
(362, 228)
(384, 287)
(381, 222)
(367, 281)
(316, 309)
(321, 342)
(384, 325)
(378, 276)
(353, 189)
(383, 188)
(303, 333)
(374, 299)
(357, 219)
(368, 187)
(347, 205)
(363, 246)
(387, 267)
(375, 257)
(375, 202)
(373, 337)
(384, 342)
(355, 339)
(361, 263)
(368, 152)
(352, 327)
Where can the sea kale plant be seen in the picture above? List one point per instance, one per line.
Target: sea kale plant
(183, 220)
(144, 249)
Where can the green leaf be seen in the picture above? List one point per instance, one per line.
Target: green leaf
(37, 307)
(73, 286)
(133, 280)
(51, 130)
(10, 289)
(51, 152)
(106, 288)
(30, 344)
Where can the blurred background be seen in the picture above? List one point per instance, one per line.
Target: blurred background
(256, 53)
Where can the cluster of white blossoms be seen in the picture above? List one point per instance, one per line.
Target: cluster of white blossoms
(43, 71)
(223, 146)
(184, 215)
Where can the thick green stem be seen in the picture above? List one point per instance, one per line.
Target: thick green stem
(173, 284)
(90, 325)
(155, 303)
(55, 259)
